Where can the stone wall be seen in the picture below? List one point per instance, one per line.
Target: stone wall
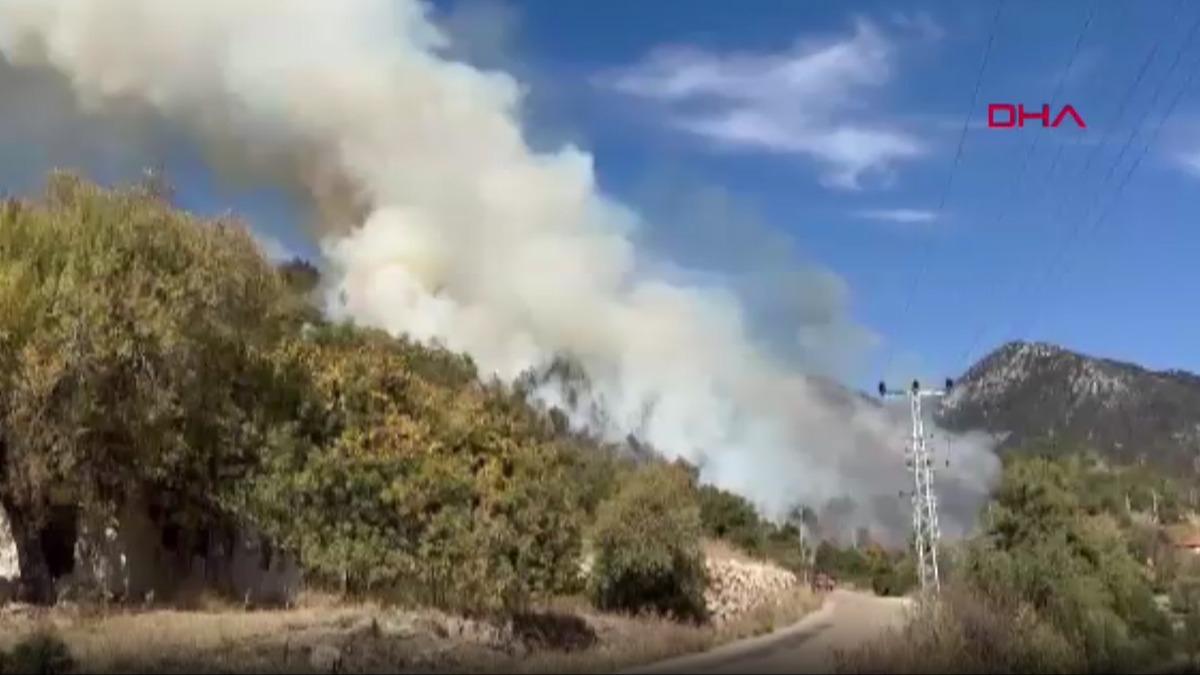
(9, 571)
(127, 557)
(736, 587)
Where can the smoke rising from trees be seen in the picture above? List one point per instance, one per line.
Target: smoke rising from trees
(437, 219)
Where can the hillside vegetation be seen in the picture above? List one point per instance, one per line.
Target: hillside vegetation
(1067, 575)
(144, 351)
(1032, 392)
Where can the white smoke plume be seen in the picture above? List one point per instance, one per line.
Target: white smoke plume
(438, 220)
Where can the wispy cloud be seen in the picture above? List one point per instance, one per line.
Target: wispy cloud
(1189, 162)
(921, 22)
(903, 216)
(809, 100)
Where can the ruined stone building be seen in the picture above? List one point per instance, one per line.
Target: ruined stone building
(138, 556)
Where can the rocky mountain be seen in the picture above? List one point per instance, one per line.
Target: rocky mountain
(1026, 392)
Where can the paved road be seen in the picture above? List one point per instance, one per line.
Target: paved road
(846, 620)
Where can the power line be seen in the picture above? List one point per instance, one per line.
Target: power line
(1062, 144)
(1053, 97)
(962, 136)
(978, 334)
(1124, 104)
(1055, 93)
(1103, 216)
(958, 153)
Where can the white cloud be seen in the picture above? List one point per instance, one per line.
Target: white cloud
(921, 22)
(905, 216)
(1190, 162)
(808, 100)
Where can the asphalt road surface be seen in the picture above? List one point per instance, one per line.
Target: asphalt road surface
(845, 621)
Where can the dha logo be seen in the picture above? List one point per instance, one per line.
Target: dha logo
(1008, 116)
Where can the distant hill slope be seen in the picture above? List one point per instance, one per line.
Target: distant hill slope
(1027, 391)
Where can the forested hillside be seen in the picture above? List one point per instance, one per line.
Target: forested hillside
(1078, 567)
(149, 353)
(1034, 392)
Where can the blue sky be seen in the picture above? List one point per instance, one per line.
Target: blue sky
(697, 91)
(823, 135)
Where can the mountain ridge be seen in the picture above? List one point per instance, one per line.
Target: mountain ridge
(1025, 392)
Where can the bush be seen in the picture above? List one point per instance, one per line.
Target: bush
(733, 518)
(894, 576)
(132, 354)
(411, 477)
(1050, 586)
(647, 546)
(42, 653)
(965, 632)
(846, 564)
(1073, 569)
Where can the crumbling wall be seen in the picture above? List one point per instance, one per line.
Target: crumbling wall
(132, 556)
(9, 571)
(246, 566)
(120, 557)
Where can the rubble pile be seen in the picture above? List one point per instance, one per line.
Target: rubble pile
(736, 587)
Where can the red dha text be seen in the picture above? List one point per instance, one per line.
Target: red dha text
(1008, 116)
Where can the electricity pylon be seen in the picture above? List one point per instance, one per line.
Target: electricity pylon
(924, 500)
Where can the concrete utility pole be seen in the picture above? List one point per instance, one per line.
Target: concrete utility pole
(924, 501)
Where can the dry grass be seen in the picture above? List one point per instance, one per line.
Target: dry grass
(225, 638)
(720, 550)
(789, 608)
(963, 633)
(170, 639)
(630, 641)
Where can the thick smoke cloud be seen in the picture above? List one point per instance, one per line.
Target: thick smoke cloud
(42, 127)
(438, 220)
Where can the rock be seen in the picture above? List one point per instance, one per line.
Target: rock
(431, 656)
(399, 628)
(366, 625)
(476, 632)
(18, 609)
(325, 658)
(737, 587)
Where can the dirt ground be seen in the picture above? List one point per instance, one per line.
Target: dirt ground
(847, 620)
(331, 637)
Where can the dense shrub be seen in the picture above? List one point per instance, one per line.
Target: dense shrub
(893, 575)
(964, 632)
(1072, 568)
(42, 653)
(846, 563)
(145, 350)
(647, 546)
(414, 477)
(1054, 583)
(133, 355)
(732, 518)
(785, 547)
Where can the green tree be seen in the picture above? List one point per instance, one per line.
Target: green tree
(647, 546)
(134, 344)
(1073, 569)
(43, 653)
(1185, 600)
(416, 478)
(733, 518)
